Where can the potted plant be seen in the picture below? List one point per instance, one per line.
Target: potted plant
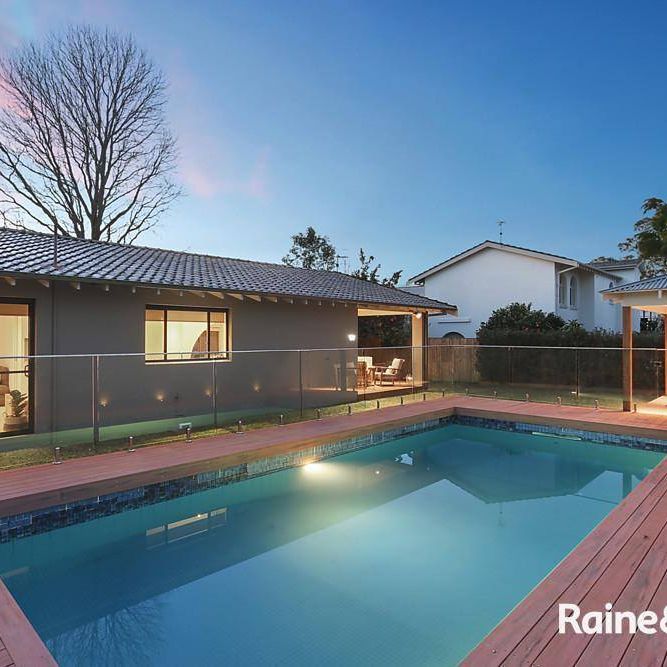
(16, 417)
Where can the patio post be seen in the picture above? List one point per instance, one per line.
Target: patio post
(664, 345)
(627, 359)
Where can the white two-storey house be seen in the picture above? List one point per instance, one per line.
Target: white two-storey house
(491, 275)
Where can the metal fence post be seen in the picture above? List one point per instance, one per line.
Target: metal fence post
(576, 370)
(95, 363)
(214, 390)
(509, 365)
(300, 386)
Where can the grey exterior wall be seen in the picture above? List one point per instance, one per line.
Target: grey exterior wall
(92, 321)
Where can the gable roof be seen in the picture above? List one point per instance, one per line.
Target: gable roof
(30, 254)
(527, 252)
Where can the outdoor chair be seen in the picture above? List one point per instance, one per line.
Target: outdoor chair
(391, 373)
(362, 375)
(368, 361)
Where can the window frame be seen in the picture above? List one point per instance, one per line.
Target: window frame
(573, 303)
(564, 292)
(30, 428)
(205, 356)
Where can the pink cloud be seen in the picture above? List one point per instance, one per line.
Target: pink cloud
(205, 181)
(209, 166)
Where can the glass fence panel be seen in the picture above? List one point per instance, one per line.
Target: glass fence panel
(454, 368)
(89, 404)
(257, 387)
(328, 378)
(45, 402)
(141, 398)
(481, 371)
(648, 375)
(543, 374)
(600, 373)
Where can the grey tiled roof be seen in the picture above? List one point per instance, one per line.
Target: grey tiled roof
(617, 264)
(31, 254)
(646, 285)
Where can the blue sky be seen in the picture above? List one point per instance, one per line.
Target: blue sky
(408, 128)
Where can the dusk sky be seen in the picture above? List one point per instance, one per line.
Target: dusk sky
(408, 128)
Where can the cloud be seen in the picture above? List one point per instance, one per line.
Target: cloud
(209, 165)
(206, 180)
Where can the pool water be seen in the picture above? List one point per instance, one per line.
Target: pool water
(402, 554)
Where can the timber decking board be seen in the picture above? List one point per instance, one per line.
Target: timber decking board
(623, 561)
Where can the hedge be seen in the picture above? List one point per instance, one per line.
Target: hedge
(572, 367)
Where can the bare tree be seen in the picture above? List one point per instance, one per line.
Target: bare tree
(85, 150)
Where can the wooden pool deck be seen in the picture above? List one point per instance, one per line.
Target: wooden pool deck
(623, 560)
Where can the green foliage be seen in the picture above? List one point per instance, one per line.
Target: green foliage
(18, 403)
(367, 271)
(385, 330)
(519, 327)
(650, 238)
(520, 317)
(311, 251)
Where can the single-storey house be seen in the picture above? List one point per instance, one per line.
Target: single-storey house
(182, 327)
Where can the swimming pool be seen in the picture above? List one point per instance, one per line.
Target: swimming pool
(403, 553)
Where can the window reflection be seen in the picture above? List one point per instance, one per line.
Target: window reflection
(179, 334)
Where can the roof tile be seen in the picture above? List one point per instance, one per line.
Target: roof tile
(31, 253)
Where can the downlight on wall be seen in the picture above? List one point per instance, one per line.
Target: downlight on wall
(352, 337)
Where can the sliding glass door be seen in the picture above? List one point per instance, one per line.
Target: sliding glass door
(16, 344)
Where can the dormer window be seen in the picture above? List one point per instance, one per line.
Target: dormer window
(573, 292)
(562, 290)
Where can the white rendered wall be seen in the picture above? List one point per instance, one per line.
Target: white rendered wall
(485, 281)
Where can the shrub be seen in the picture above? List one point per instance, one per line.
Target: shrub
(518, 326)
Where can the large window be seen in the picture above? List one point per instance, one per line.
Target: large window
(186, 334)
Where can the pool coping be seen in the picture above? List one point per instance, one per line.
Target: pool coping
(47, 485)
(21, 645)
(27, 489)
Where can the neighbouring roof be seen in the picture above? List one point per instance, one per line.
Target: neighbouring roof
(559, 259)
(617, 264)
(30, 254)
(646, 285)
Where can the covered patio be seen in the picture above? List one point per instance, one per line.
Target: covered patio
(648, 295)
(385, 370)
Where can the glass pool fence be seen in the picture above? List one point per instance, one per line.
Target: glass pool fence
(90, 403)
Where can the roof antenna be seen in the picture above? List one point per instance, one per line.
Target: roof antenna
(500, 224)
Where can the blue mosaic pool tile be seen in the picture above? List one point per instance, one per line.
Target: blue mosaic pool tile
(59, 516)
(638, 442)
